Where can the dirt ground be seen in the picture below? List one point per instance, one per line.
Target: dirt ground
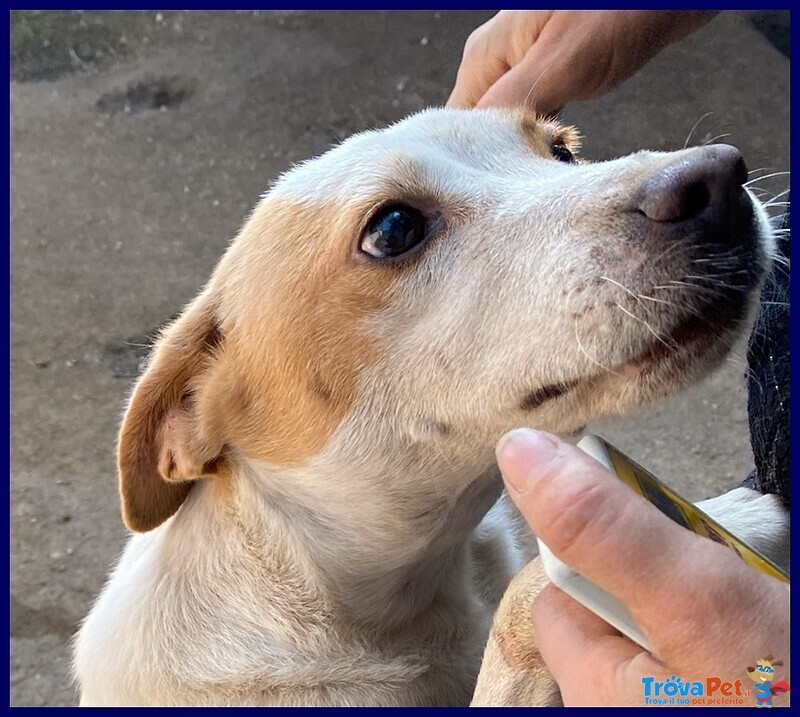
(139, 142)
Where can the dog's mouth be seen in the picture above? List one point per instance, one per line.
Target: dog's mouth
(699, 332)
(693, 334)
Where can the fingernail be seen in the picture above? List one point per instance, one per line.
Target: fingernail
(521, 452)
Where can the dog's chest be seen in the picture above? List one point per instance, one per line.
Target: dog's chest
(141, 645)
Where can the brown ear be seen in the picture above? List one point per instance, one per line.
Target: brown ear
(160, 450)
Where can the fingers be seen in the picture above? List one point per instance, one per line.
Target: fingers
(597, 525)
(569, 60)
(498, 68)
(587, 517)
(475, 76)
(581, 649)
(685, 591)
(480, 68)
(506, 63)
(566, 629)
(544, 59)
(527, 84)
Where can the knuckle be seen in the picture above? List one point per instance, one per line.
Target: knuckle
(472, 43)
(571, 510)
(478, 38)
(544, 604)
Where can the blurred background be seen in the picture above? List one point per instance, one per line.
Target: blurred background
(139, 142)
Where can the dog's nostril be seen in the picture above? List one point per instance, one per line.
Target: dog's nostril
(696, 198)
(670, 198)
(705, 179)
(740, 170)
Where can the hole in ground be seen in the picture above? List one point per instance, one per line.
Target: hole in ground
(150, 93)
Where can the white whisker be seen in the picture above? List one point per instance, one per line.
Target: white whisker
(608, 369)
(714, 139)
(649, 328)
(536, 84)
(766, 176)
(658, 301)
(624, 288)
(694, 127)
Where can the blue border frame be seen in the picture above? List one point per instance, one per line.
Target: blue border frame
(794, 337)
(469, 5)
(6, 442)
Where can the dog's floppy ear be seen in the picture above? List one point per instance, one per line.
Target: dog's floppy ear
(161, 446)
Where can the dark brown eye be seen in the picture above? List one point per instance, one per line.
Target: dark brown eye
(562, 154)
(393, 231)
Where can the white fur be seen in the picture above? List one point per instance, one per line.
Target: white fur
(761, 521)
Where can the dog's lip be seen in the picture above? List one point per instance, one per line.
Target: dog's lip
(694, 330)
(699, 329)
(539, 396)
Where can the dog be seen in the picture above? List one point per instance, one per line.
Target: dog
(307, 462)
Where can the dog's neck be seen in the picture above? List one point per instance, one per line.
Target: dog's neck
(381, 546)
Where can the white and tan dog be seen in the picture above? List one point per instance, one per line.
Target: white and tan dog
(309, 456)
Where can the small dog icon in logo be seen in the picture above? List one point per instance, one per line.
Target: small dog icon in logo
(762, 675)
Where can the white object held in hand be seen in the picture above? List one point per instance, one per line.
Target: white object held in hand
(602, 603)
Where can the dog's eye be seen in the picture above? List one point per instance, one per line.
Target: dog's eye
(562, 154)
(393, 231)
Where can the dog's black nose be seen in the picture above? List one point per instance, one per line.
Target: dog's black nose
(707, 181)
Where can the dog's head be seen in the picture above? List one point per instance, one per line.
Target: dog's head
(764, 671)
(436, 283)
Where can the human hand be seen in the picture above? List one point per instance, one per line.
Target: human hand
(543, 59)
(705, 611)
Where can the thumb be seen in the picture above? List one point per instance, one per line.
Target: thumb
(614, 537)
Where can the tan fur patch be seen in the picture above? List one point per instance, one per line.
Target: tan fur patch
(513, 628)
(270, 372)
(541, 134)
(294, 296)
(513, 671)
(516, 638)
(158, 449)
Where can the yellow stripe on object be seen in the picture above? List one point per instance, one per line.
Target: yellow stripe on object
(680, 510)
